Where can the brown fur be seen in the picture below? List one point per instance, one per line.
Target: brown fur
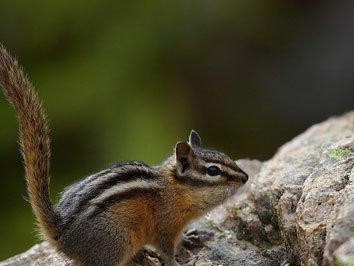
(34, 139)
(159, 219)
(136, 216)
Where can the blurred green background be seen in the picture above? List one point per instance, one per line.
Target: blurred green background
(125, 80)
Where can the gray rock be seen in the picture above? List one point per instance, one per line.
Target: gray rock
(296, 209)
(306, 191)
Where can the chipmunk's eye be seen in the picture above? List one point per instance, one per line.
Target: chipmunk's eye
(213, 170)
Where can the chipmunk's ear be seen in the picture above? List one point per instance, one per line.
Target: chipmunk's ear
(194, 139)
(184, 156)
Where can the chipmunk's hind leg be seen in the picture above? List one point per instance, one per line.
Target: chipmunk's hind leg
(96, 241)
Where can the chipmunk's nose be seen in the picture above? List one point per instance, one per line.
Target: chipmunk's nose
(244, 177)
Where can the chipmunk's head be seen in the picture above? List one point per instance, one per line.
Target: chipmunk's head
(212, 175)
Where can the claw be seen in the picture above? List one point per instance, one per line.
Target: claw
(193, 232)
(191, 239)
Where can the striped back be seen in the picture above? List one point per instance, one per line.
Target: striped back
(101, 189)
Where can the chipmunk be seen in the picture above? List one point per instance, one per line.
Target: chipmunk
(109, 216)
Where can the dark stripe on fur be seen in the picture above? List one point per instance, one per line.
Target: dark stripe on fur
(216, 157)
(72, 193)
(229, 165)
(226, 174)
(190, 180)
(197, 182)
(122, 176)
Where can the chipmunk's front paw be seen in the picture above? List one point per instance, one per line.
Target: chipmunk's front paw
(192, 239)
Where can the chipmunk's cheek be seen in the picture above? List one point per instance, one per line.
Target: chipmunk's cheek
(226, 193)
(234, 187)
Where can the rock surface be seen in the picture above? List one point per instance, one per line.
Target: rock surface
(296, 209)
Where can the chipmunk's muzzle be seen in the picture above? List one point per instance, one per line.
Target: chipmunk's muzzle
(244, 175)
(244, 178)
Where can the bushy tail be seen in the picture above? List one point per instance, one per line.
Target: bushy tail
(34, 140)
